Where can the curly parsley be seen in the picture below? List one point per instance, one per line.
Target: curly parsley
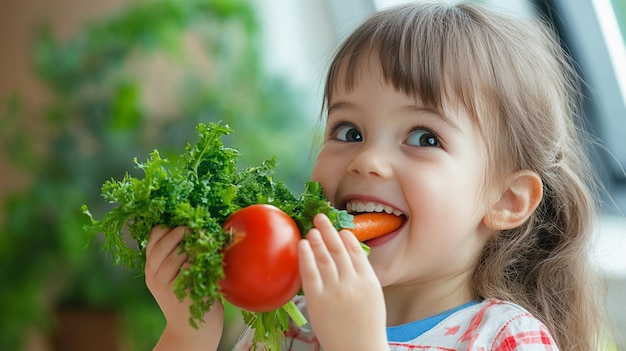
(200, 189)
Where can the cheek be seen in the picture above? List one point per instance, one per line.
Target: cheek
(320, 170)
(443, 197)
(327, 173)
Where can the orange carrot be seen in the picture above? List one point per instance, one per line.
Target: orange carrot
(372, 225)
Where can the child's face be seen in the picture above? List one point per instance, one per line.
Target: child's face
(385, 147)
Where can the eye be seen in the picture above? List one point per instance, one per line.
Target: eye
(348, 133)
(422, 137)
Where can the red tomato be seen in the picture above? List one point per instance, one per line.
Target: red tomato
(261, 266)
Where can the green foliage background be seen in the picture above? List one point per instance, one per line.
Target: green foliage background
(98, 120)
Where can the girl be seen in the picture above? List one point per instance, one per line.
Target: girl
(460, 120)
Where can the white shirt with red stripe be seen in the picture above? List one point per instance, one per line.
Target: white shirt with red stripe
(492, 324)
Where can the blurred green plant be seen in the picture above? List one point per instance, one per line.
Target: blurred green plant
(99, 118)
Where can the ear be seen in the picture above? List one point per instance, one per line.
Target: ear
(522, 193)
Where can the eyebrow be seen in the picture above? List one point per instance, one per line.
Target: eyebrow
(341, 105)
(437, 113)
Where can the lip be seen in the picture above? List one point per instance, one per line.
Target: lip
(381, 240)
(364, 198)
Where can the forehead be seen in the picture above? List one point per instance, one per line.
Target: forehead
(369, 68)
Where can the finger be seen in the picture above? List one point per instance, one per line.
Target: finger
(172, 265)
(335, 245)
(324, 262)
(355, 251)
(309, 274)
(163, 246)
(156, 233)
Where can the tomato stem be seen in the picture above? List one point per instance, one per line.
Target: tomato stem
(295, 314)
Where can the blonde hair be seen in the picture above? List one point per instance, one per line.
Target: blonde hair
(519, 86)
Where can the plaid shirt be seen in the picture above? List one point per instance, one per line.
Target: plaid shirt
(492, 325)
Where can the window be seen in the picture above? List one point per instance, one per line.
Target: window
(590, 30)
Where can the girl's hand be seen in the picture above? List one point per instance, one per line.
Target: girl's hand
(344, 298)
(163, 263)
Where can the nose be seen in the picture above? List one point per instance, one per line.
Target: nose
(372, 161)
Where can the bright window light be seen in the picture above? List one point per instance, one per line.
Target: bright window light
(615, 43)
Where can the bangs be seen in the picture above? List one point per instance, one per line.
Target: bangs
(422, 51)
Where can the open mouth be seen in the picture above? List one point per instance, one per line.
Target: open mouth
(373, 220)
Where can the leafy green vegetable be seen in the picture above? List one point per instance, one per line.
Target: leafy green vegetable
(199, 190)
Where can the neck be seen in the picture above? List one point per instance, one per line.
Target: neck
(418, 300)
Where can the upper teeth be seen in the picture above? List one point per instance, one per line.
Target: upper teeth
(356, 206)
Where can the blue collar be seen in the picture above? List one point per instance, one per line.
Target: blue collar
(410, 331)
